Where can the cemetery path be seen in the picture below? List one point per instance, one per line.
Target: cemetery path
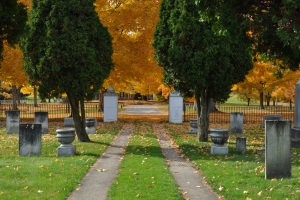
(141, 109)
(189, 180)
(96, 183)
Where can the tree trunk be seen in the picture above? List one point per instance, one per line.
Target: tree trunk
(101, 101)
(248, 101)
(261, 100)
(35, 103)
(78, 121)
(14, 97)
(204, 117)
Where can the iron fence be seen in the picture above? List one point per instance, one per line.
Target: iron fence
(251, 114)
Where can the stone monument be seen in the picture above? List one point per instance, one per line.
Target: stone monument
(278, 158)
(110, 106)
(66, 136)
(42, 118)
(236, 122)
(175, 107)
(30, 140)
(12, 121)
(295, 131)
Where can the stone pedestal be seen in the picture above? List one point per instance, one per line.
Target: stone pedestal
(30, 140)
(241, 144)
(236, 122)
(218, 149)
(12, 121)
(110, 106)
(194, 126)
(295, 132)
(278, 158)
(175, 107)
(66, 136)
(42, 118)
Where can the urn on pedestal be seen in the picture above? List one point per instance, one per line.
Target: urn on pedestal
(66, 136)
(219, 137)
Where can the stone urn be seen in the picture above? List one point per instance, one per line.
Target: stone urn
(194, 125)
(90, 125)
(219, 136)
(66, 136)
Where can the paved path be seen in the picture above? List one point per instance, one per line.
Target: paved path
(189, 180)
(140, 109)
(97, 181)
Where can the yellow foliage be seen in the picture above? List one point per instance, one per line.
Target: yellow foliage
(131, 24)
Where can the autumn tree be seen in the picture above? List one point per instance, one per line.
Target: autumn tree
(132, 23)
(200, 53)
(67, 50)
(13, 17)
(11, 71)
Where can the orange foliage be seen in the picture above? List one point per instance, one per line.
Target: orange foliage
(132, 23)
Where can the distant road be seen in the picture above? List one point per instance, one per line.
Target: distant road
(141, 110)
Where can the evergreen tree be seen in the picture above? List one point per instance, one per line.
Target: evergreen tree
(67, 50)
(13, 17)
(200, 54)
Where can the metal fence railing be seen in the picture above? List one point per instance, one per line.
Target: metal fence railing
(251, 114)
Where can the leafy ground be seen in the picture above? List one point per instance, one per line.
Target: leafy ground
(143, 172)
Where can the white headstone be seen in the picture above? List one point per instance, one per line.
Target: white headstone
(175, 107)
(110, 106)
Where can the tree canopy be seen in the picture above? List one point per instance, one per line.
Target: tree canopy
(67, 50)
(200, 53)
(13, 17)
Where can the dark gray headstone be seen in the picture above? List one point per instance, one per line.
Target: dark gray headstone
(278, 160)
(241, 144)
(42, 118)
(236, 122)
(12, 121)
(68, 122)
(30, 140)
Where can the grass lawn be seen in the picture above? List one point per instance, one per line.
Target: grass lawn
(48, 176)
(143, 173)
(237, 175)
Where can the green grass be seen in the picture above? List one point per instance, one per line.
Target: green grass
(48, 176)
(143, 173)
(237, 175)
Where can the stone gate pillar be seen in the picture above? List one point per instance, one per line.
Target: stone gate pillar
(175, 107)
(110, 106)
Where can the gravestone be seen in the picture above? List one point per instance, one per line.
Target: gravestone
(175, 107)
(110, 106)
(241, 144)
(68, 122)
(295, 131)
(278, 160)
(271, 117)
(12, 121)
(236, 122)
(42, 118)
(30, 140)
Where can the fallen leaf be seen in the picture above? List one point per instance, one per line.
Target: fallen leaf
(220, 188)
(101, 170)
(259, 194)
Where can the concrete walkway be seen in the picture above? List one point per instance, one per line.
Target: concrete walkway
(141, 110)
(189, 180)
(97, 181)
